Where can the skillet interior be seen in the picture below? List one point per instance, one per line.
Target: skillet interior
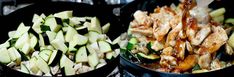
(25, 15)
(148, 5)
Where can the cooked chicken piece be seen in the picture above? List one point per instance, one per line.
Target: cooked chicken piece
(204, 61)
(168, 51)
(228, 49)
(171, 37)
(192, 28)
(142, 18)
(180, 49)
(189, 47)
(161, 30)
(215, 40)
(215, 64)
(157, 46)
(84, 69)
(143, 50)
(167, 61)
(201, 35)
(201, 14)
(162, 24)
(188, 63)
(146, 32)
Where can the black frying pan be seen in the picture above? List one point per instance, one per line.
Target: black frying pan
(149, 5)
(11, 22)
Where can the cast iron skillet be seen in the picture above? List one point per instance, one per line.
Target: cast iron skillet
(25, 15)
(149, 5)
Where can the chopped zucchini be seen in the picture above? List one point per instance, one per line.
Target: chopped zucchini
(60, 36)
(93, 36)
(231, 40)
(33, 66)
(105, 28)
(4, 56)
(51, 35)
(26, 48)
(22, 40)
(58, 44)
(69, 71)
(217, 12)
(42, 65)
(95, 25)
(51, 22)
(230, 20)
(14, 55)
(45, 54)
(81, 55)
(24, 69)
(5, 45)
(64, 14)
(104, 46)
(148, 58)
(93, 60)
(33, 41)
(70, 33)
(66, 62)
(55, 57)
(22, 29)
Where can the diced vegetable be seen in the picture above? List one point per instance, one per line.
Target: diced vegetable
(81, 55)
(217, 12)
(55, 57)
(4, 56)
(95, 25)
(231, 40)
(51, 22)
(104, 46)
(66, 62)
(22, 40)
(45, 54)
(22, 29)
(93, 60)
(64, 14)
(105, 28)
(42, 65)
(58, 44)
(70, 33)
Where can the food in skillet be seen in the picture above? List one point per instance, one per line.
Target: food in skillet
(58, 44)
(189, 38)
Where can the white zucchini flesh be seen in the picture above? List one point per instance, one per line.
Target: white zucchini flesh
(24, 68)
(81, 55)
(66, 62)
(95, 25)
(105, 28)
(42, 65)
(33, 66)
(104, 46)
(41, 41)
(77, 40)
(51, 35)
(58, 44)
(45, 54)
(60, 36)
(22, 40)
(13, 52)
(51, 22)
(64, 14)
(70, 33)
(93, 36)
(74, 21)
(26, 48)
(11, 34)
(21, 30)
(90, 49)
(69, 71)
(33, 40)
(54, 56)
(93, 60)
(5, 45)
(4, 56)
